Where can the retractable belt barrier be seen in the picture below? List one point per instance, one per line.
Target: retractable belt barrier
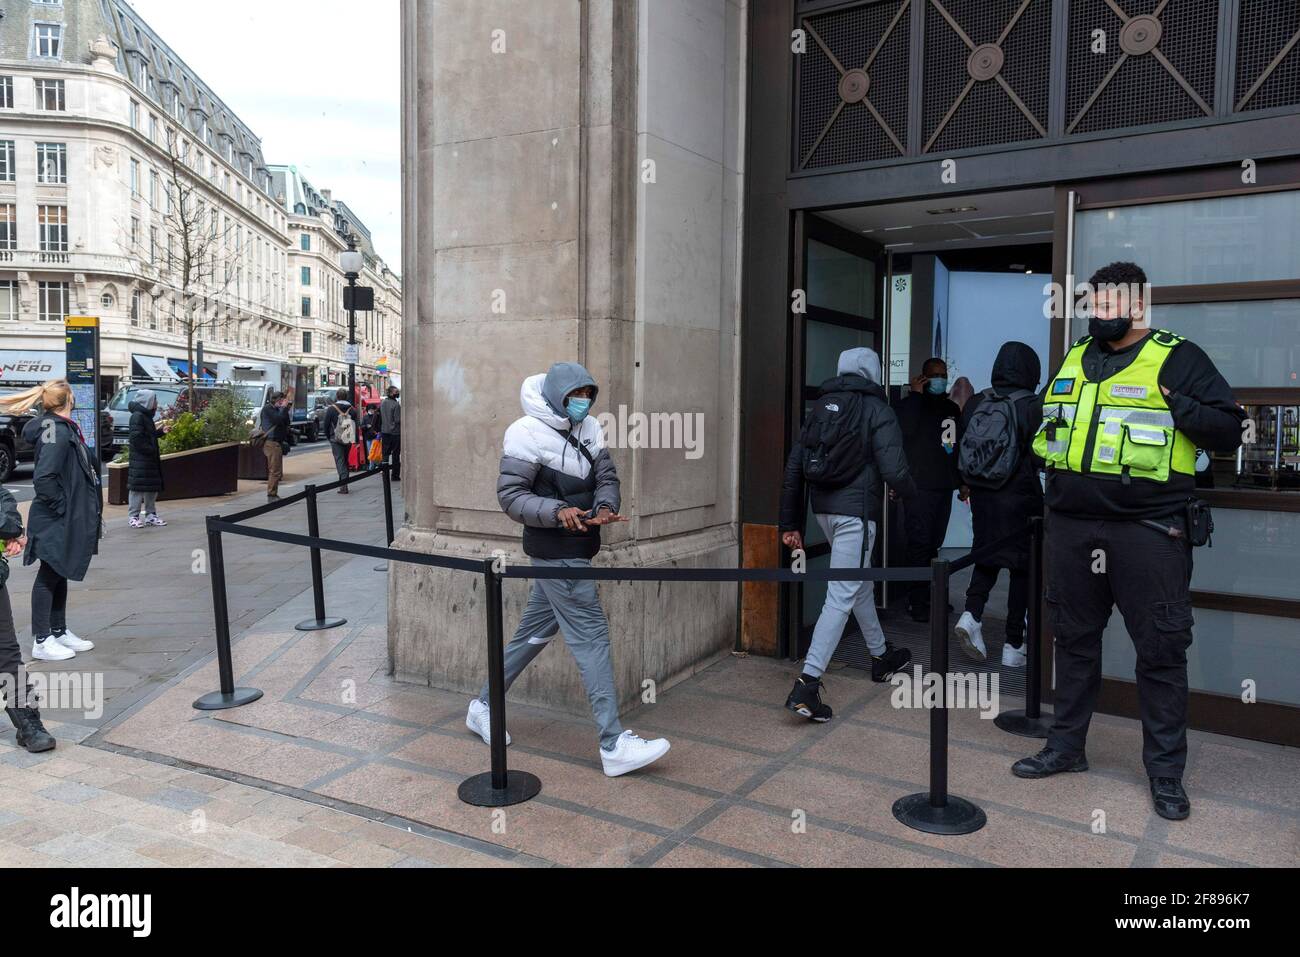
(935, 810)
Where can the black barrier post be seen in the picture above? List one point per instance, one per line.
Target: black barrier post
(229, 696)
(320, 622)
(388, 511)
(499, 787)
(938, 812)
(1029, 723)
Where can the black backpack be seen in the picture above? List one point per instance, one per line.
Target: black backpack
(834, 447)
(990, 446)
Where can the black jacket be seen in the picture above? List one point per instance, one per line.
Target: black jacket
(275, 423)
(332, 418)
(924, 418)
(144, 471)
(1203, 409)
(64, 523)
(996, 513)
(11, 521)
(861, 497)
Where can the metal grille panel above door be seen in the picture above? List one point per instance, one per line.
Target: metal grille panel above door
(1140, 62)
(853, 85)
(1268, 55)
(987, 66)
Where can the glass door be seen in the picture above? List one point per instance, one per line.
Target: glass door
(844, 278)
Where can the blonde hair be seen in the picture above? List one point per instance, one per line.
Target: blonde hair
(55, 394)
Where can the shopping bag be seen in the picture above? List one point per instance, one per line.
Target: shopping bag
(355, 458)
(376, 452)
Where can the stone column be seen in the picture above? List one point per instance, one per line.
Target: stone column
(536, 231)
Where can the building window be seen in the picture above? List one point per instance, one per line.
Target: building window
(306, 342)
(153, 245)
(52, 301)
(6, 161)
(306, 307)
(304, 241)
(8, 227)
(153, 127)
(135, 308)
(153, 313)
(52, 163)
(135, 178)
(6, 93)
(8, 300)
(47, 38)
(306, 275)
(135, 233)
(153, 188)
(50, 96)
(135, 115)
(53, 222)
(106, 300)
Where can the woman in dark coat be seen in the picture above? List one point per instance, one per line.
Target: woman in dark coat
(996, 513)
(144, 471)
(66, 517)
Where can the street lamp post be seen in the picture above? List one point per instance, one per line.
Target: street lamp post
(352, 261)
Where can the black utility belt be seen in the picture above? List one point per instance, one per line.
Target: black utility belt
(1199, 528)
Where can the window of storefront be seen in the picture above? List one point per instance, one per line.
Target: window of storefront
(1225, 273)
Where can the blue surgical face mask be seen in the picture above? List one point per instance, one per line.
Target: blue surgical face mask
(578, 409)
(937, 386)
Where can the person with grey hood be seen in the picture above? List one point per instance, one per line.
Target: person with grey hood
(850, 440)
(558, 481)
(144, 475)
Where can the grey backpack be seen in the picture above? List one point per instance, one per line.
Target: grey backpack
(990, 446)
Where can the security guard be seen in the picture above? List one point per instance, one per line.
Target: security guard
(1122, 420)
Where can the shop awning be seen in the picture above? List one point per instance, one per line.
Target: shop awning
(183, 370)
(152, 367)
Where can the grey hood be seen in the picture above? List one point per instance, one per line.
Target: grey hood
(563, 378)
(861, 361)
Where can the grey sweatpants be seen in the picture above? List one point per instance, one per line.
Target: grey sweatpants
(572, 607)
(842, 598)
(142, 503)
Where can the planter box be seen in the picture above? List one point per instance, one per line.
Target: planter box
(198, 473)
(252, 463)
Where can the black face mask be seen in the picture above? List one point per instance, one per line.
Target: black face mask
(1109, 330)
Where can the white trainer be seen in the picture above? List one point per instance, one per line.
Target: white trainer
(479, 720)
(69, 640)
(51, 650)
(1013, 657)
(632, 752)
(972, 640)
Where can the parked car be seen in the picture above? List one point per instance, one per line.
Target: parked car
(14, 449)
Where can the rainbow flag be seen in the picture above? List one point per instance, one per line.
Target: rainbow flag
(382, 365)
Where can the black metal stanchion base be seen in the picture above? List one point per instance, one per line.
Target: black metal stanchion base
(320, 624)
(958, 816)
(520, 787)
(219, 701)
(1015, 722)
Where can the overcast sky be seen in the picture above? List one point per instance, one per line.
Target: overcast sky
(318, 80)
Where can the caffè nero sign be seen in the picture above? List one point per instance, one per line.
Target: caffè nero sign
(31, 366)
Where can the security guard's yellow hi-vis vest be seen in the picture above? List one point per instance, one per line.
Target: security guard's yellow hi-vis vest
(1118, 428)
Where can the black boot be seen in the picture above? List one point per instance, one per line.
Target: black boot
(1170, 799)
(31, 733)
(1048, 762)
(894, 659)
(806, 699)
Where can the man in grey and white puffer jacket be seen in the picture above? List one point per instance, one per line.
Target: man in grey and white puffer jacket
(558, 481)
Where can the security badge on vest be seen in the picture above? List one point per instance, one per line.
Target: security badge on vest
(1118, 428)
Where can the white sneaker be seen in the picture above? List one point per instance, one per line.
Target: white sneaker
(479, 720)
(972, 641)
(632, 752)
(51, 650)
(1013, 657)
(69, 640)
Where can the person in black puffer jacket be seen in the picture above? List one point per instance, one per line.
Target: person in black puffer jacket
(848, 515)
(20, 703)
(997, 513)
(144, 479)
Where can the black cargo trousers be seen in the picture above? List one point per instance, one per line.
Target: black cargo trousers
(1092, 566)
